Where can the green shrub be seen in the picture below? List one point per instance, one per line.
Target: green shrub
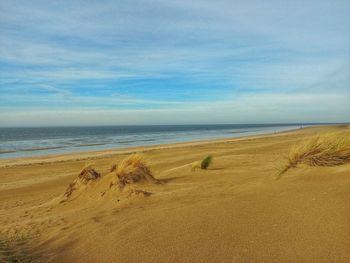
(206, 162)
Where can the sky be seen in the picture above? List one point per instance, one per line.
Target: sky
(174, 62)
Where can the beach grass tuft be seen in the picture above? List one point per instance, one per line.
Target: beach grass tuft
(88, 173)
(133, 169)
(206, 162)
(10, 253)
(328, 149)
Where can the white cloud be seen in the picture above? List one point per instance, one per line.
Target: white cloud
(293, 54)
(273, 108)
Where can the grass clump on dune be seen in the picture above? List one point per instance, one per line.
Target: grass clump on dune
(87, 174)
(206, 162)
(323, 150)
(134, 169)
(10, 253)
(131, 170)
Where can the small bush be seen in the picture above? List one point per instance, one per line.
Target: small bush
(206, 162)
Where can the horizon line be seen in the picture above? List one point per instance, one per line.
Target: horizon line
(195, 124)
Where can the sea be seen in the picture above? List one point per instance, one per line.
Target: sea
(37, 141)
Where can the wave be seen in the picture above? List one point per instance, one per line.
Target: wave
(89, 144)
(100, 138)
(31, 149)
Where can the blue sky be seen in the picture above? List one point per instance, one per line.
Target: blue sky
(173, 62)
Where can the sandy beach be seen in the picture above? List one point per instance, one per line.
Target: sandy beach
(238, 210)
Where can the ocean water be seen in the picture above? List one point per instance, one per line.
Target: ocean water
(20, 142)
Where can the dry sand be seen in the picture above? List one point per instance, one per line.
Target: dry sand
(237, 211)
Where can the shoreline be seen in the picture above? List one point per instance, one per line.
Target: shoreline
(83, 142)
(107, 153)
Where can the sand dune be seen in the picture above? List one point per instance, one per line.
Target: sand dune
(238, 210)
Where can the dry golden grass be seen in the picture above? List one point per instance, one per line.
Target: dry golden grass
(328, 149)
(10, 252)
(195, 165)
(113, 168)
(87, 174)
(133, 169)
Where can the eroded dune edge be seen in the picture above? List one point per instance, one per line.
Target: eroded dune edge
(246, 207)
